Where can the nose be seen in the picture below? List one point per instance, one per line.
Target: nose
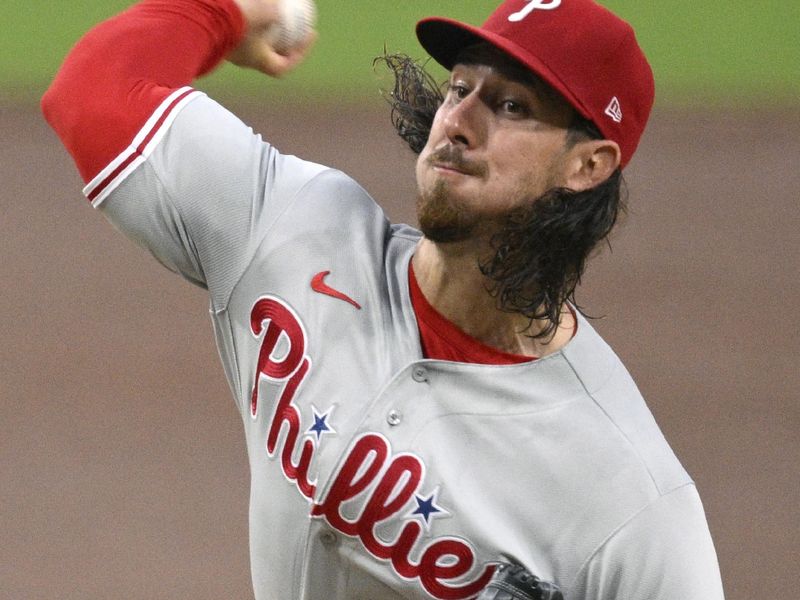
(464, 122)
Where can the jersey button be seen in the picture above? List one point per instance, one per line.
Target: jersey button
(394, 417)
(419, 374)
(328, 538)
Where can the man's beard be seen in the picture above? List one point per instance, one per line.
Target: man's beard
(444, 219)
(441, 219)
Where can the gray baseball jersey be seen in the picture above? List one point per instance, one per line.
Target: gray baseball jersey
(377, 473)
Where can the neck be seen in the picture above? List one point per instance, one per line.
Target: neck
(449, 277)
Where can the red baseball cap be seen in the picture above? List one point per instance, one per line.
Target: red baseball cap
(583, 50)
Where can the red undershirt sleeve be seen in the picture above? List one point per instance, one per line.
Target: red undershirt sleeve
(119, 73)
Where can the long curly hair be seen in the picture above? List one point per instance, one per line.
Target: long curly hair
(414, 99)
(541, 252)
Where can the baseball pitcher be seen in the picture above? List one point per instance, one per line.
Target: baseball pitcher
(426, 413)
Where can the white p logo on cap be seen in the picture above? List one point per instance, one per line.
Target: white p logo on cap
(532, 6)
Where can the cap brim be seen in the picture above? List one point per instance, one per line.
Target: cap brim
(445, 38)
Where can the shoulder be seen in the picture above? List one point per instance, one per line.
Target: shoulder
(331, 204)
(645, 509)
(663, 551)
(627, 422)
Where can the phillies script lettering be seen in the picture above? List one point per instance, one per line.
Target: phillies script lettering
(381, 482)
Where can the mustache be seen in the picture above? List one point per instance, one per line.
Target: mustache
(453, 157)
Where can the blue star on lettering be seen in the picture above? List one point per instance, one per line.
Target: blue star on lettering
(321, 425)
(427, 508)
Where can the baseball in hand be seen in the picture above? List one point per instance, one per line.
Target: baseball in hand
(297, 19)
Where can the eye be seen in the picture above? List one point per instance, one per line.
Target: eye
(514, 107)
(458, 91)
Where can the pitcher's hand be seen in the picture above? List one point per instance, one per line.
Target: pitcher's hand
(255, 51)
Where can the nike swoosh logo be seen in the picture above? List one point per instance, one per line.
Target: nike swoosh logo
(318, 285)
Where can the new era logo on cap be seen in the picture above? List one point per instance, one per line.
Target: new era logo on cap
(614, 110)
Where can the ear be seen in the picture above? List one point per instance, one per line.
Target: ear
(590, 163)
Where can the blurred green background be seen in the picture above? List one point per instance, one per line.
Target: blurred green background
(709, 51)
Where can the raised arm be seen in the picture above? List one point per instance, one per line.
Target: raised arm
(172, 169)
(124, 69)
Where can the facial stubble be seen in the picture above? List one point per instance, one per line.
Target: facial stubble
(443, 218)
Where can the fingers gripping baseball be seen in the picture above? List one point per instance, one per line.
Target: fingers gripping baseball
(259, 48)
(257, 53)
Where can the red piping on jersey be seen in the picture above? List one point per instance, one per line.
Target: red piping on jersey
(139, 150)
(148, 52)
